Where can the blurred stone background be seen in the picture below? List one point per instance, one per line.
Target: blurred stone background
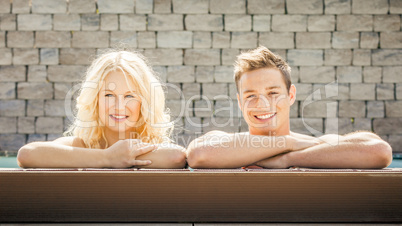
(46, 45)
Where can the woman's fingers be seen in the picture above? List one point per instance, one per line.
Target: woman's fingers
(145, 149)
(141, 162)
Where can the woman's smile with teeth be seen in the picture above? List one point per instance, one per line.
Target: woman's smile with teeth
(118, 117)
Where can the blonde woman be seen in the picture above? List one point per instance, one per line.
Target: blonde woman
(120, 121)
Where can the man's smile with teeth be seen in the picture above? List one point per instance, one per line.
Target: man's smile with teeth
(264, 116)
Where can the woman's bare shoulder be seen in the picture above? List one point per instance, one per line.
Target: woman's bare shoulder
(70, 141)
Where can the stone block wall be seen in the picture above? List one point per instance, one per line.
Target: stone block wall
(346, 58)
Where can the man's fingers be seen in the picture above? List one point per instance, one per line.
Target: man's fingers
(141, 162)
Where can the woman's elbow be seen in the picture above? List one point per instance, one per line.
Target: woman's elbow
(179, 160)
(23, 156)
(384, 154)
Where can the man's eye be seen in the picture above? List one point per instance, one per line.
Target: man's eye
(251, 96)
(272, 93)
(109, 95)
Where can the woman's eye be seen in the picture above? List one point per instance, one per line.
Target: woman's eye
(130, 96)
(109, 95)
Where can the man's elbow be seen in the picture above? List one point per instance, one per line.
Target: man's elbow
(196, 157)
(383, 154)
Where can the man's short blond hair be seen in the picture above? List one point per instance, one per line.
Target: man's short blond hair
(258, 58)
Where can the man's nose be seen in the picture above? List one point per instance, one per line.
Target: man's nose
(263, 102)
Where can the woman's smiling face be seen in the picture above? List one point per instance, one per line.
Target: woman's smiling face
(119, 106)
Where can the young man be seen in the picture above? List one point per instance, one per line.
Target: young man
(265, 94)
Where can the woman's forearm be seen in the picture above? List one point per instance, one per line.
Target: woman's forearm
(166, 156)
(54, 155)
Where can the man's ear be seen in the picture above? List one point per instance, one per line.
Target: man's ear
(292, 94)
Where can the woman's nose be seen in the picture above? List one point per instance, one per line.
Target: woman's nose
(120, 103)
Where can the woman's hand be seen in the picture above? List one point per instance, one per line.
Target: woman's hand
(124, 153)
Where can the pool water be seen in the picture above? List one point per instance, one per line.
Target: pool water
(11, 162)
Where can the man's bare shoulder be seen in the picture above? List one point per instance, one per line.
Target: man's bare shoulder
(70, 141)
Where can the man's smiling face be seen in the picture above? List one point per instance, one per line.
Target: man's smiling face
(265, 101)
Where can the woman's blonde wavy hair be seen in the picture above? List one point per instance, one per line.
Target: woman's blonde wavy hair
(154, 122)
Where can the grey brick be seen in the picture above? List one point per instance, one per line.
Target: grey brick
(204, 74)
(392, 74)
(7, 90)
(387, 125)
(244, 40)
(161, 22)
(34, 90)
(178, 108)
(295, 74)
(360, 23)
(90, 22)
(227, 108)
(6, 58)
(331, 91)
(65, 73)
(37, 73)
(61, 90)
(305, 57)
(320, 109)
(36, 138)
(8, 22)
(35, 107)
(191, 91)
(11, 142)
(372, 74)
(203, 108)
(229, 56)
(298, 125)
(351, 109)
(66, 22)
(265, 7)
(20, 39)
(232, 91)
(54, 108)
(321, 23)
(164, 56)
(76, 56)
(81, 6)
(133, 22)
(345, 40)
(49, 56)
(237, 22)
(202, 57)
(127, 38)
(86, 39)
(228, 6)
(385, 91)
(20, 6)
(315, 40)
(190, 6)
(362, 124)
(370, 7)
(395, 7)
(369, 40)
(362, 91)
(393, 109)
(173, 91)
(211, 90)
(289, 23)
(162, 6)
(144, 6)
(202, 39)
(12, 73)
(387, 23)
(174, 39)
(5, 6)
(361, 57)
(45, 6)
(391, 40)
(224, 74)
(49, 125)
(396, 143)
(146, 39)
(304, 7)
(26, 125)
(387, 57)
(109, 22)
(261, 23)
(34, 22)
(317, 74)
(25, 56)
(337, 57)
(53, 136)
(192, 125)
(183, 74)
(2, 39)
(53, 39)
(349, 74)
(12, 108)
(399, 91)
(204, 22)
(221, 39)
(229, 125)
(303, 91)
(110, 6)
(375, 109)
(277, 40)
